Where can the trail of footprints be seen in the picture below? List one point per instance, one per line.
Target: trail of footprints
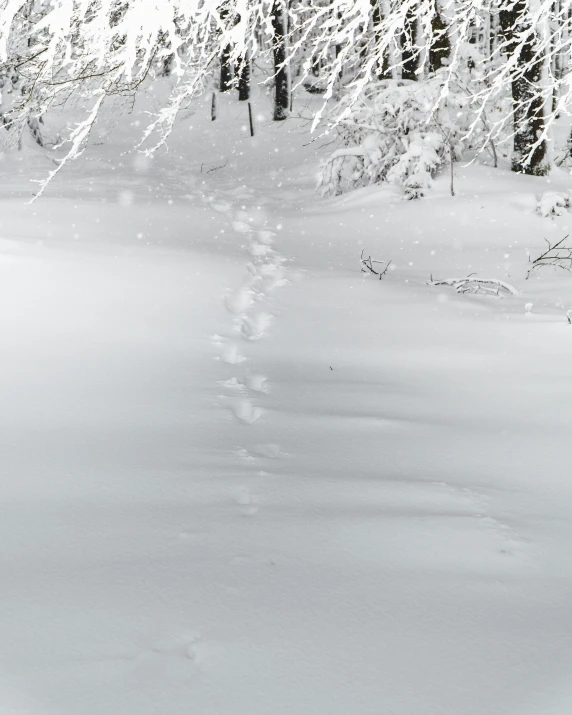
(509, 543)
(250, 321)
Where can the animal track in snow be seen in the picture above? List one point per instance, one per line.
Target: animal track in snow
(239, 301)
(511, 544)
(245, 499)
(265, 236)
(231, 355)
(266, 272)
(221, 207)
(259, 249)
(268, 276)
(243, 453)
(241, 227)
(233, 383)
(245, 411)
(253, 327)
(257, 383)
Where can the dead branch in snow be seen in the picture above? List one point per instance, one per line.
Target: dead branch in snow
(214, 168)
(368, 263)
(476, 286)
(556, 255)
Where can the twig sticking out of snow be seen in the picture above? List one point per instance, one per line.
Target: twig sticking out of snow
(555, 255)
(368, 263)
(216, 168)
(477, 286)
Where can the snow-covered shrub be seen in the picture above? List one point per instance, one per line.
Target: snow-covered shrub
(391, 134)
(404, 132)
(552, 203)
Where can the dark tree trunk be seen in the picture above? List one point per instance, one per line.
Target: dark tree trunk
(281, 77)
(528, 102)
(383, 71)
(213, 107)
(338, 46)
(440, 46)
(244, 79)
(226, 68)
(410, 51)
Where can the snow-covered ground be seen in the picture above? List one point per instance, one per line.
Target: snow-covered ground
(241, 477)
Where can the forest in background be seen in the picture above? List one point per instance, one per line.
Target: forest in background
(408, 86)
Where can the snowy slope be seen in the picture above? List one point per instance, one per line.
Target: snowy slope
(242, 477)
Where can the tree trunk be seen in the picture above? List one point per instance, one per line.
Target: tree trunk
(530, 154)
(226, 71)
(226, 68)
(281, 73)
(409, 49)
(440, 48)
(382, 71)
(244, 71)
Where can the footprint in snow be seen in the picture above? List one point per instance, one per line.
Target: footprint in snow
(253, 327)
(245, 499)
(271, 277)
(245, 411)
(257, 383)
(231, 355)
(221, 207)
(233, 383)
(511, 544)
(265, 236)
(239, 301)
(259, 249)
(241, 227)
(243, 496)
(243, 453)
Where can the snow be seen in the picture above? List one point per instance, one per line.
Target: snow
(240, 476)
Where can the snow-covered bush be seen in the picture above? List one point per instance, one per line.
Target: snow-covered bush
(404, 132)
(391, 134)
(552, 203)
